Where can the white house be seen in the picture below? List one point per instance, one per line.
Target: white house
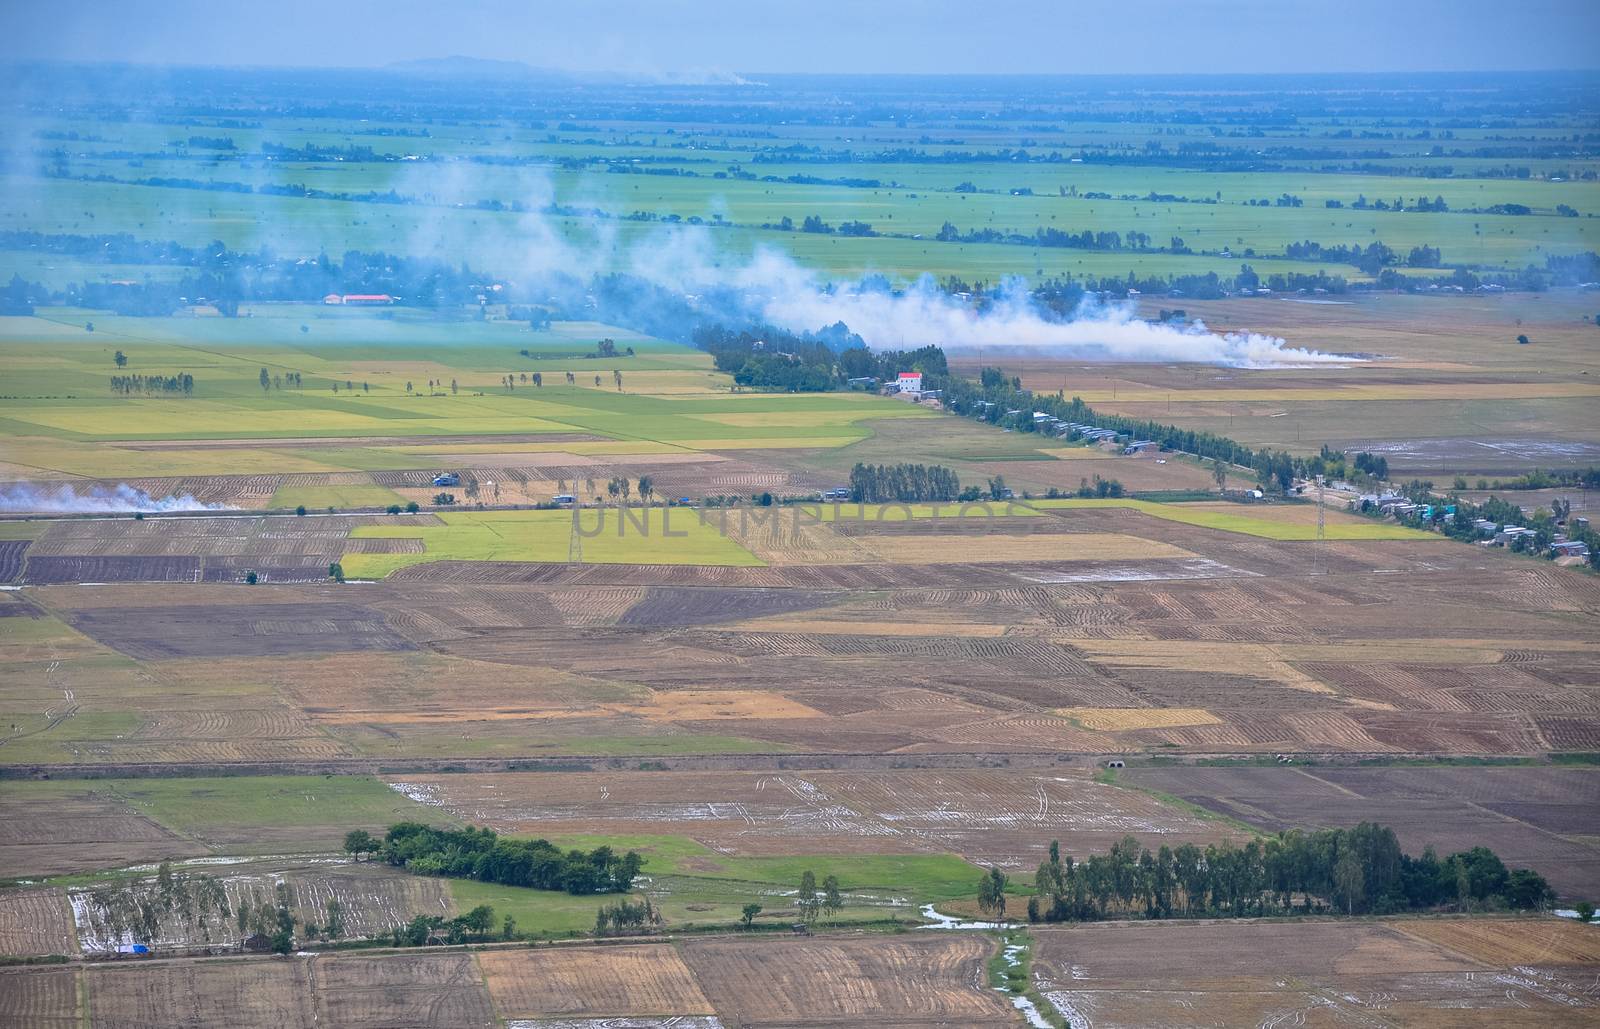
(909, 382)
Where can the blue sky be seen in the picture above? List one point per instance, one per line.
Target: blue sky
(679, 36)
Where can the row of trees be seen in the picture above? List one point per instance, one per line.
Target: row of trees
(619, 487)
(269, 381)
(480, 854)
(997, 399)
(150, 385)
(1330, 871)
(509, 382)
(903, 483)
(474, 925)
(1000, 400)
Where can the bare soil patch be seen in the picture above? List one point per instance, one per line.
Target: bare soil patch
(931, 978)
(649, 979)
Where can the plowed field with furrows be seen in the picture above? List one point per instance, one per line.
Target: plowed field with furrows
(1570, 733)
(35, 922)
(666, 606)
(13, 553)
(242, 490)
(1450, 733)
(594, 605)
(42, 570)
(42, 998)
(1042, 656)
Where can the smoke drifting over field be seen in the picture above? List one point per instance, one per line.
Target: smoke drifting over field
(770, 288)
(26, 498)
(1096, 332)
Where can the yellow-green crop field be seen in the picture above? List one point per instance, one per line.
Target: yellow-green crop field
(335, 496)
(1260, 522)
(373, 382)
(661, 535)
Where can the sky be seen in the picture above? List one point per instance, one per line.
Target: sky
(698, 37)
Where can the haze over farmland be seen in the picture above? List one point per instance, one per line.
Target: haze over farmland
(632, 515)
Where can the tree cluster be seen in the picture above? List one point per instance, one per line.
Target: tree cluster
(1330, 871)
(625, 915)
(813, 902)
(902, 483)
(475, 924)
(151, 385)
(480, 854)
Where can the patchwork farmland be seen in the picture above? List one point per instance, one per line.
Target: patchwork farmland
(323, 604)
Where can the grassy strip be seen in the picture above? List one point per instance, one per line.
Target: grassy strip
(1015, 977)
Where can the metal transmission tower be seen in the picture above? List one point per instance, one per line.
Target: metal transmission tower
(575, 546)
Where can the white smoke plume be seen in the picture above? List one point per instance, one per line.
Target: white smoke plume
(799, 300)
(26, 498)
(691, 260)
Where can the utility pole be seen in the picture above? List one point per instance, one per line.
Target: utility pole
(1318, 564)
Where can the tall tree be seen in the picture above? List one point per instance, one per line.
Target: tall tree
(992, 894)
(806, 898)
(832, 897)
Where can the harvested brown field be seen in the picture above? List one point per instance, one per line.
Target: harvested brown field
(1400, 663)
(433, 990)
(647, 979)
(929, 979)
(46, 998)
(1519, 941)
(934, 548)
(199, 995)
(35, 921)
(77, 826)
(238, 630)
(1300, 973)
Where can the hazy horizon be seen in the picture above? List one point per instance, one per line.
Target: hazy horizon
(716, 38)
